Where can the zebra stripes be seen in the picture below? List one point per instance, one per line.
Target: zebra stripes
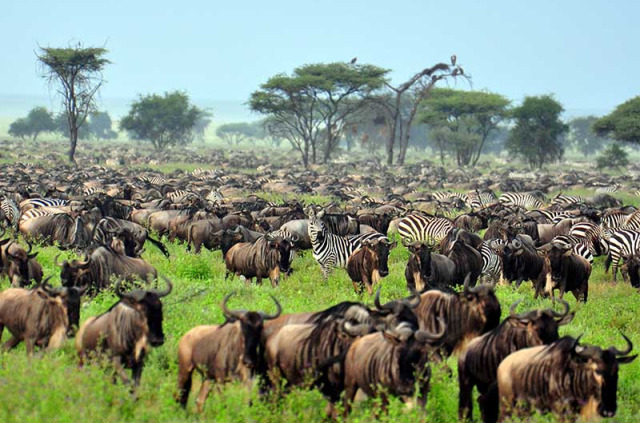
(580, 246)
(614, 220)
(622, 243)
(491, 261)
(180, 195)
(153, 180)
(478, 200)
(416, 227)
(34, 213)
(332, 251)
(520, 199)
(32, 203)
(564, 200)
(11, 212)
(608, 189)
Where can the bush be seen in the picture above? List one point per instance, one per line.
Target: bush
(613, 156)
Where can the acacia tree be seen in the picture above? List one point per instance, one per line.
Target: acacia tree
(537, 136)
(623, 124)
(583, 137)
(38, 120)
(78, 74)
(402, 104)
(162, 120)
(469, 116)
(100, 126)
(236, 132)
(314, 103)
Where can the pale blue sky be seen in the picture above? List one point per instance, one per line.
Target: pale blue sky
(584, 52)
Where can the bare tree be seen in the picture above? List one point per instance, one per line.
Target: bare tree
(78, 73)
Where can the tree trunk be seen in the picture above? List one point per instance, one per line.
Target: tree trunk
(73, 139)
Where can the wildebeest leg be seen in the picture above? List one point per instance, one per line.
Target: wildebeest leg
(119, 370)
(465, 401)
(185, 378)
(136, 370)
(349, 395)
(203, 394)
(357, 287)
(11, 343)
(488, 401)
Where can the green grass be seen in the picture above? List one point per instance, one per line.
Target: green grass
(52, 388)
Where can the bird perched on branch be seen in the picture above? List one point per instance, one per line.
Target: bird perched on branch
(453, 59)
(353, 61)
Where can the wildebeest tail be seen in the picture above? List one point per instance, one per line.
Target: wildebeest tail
(160, 246)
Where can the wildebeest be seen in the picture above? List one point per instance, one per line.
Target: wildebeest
(40, 316)
(266, 257)
(18, 264)
(370, 263)
(569, 272)
(126, 330)
(137, 234)
(564, 377)
(390, 362)
(426, 270)
(467, 258)
(633, 269)
(96, 269)
(467, 314)
(478, 364)
(221, 353)
(522, 261)
(60, 228)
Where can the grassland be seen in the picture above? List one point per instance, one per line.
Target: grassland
(52, 388)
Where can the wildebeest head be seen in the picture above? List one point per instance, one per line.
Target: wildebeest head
(72, 272)
(148, 302)
(283, 245)
(422, 252)
(251, 323)
(17, 261)
(543, 323)
(482, 299)
(395, 312)
(230, 237)
(71, 299)
(381, 248)
(633, 268)
(123, 242)
(604, 366)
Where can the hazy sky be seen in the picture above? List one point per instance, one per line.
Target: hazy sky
(586, 53)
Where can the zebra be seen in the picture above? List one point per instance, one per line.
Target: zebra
(93, 190)
(214, 197)
(580, 246)
(608, 189)
(417, 227)
(33, 213)
(565, 200)
(492, 268)
(593, 234)
(180, 195)
(153, 180)
(34, 203)
(632, 221)
(480, 199)
(10, 211)
(520, 199)
(332, 251)
(622, 243)
(615, 220)
(553, 216)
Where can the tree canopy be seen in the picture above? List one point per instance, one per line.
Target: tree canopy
(623, 124)
(235, 133)
(78, 74)
(537, 136)
(311, 107)
(162, 120)
(38, 120)
(469, 116)
(582, 136)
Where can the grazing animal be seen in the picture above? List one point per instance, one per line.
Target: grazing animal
(126, 331)
(369, 264)
(221, 353)
(478, 364)
(467, 314)
(565, 378)
(427, 270)
(40, 316)
(266, 257)
(569, 272)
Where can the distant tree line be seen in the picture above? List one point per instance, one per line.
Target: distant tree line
(322, 109)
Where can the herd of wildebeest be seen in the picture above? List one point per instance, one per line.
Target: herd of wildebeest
(108, 215)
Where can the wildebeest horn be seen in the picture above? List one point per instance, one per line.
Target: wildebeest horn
(512, 309)
(294, 238)
(166, 292)
(517, 243)
(424, 336)
(563, 314)
(467, 283)
(625, 352)
(237, 229)
(44, 285)
(353, 330)
(266, 316)
(56, 262)
(414, 295)
(30, 247)
(87, 261)
(376, 300)
(236, 314)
